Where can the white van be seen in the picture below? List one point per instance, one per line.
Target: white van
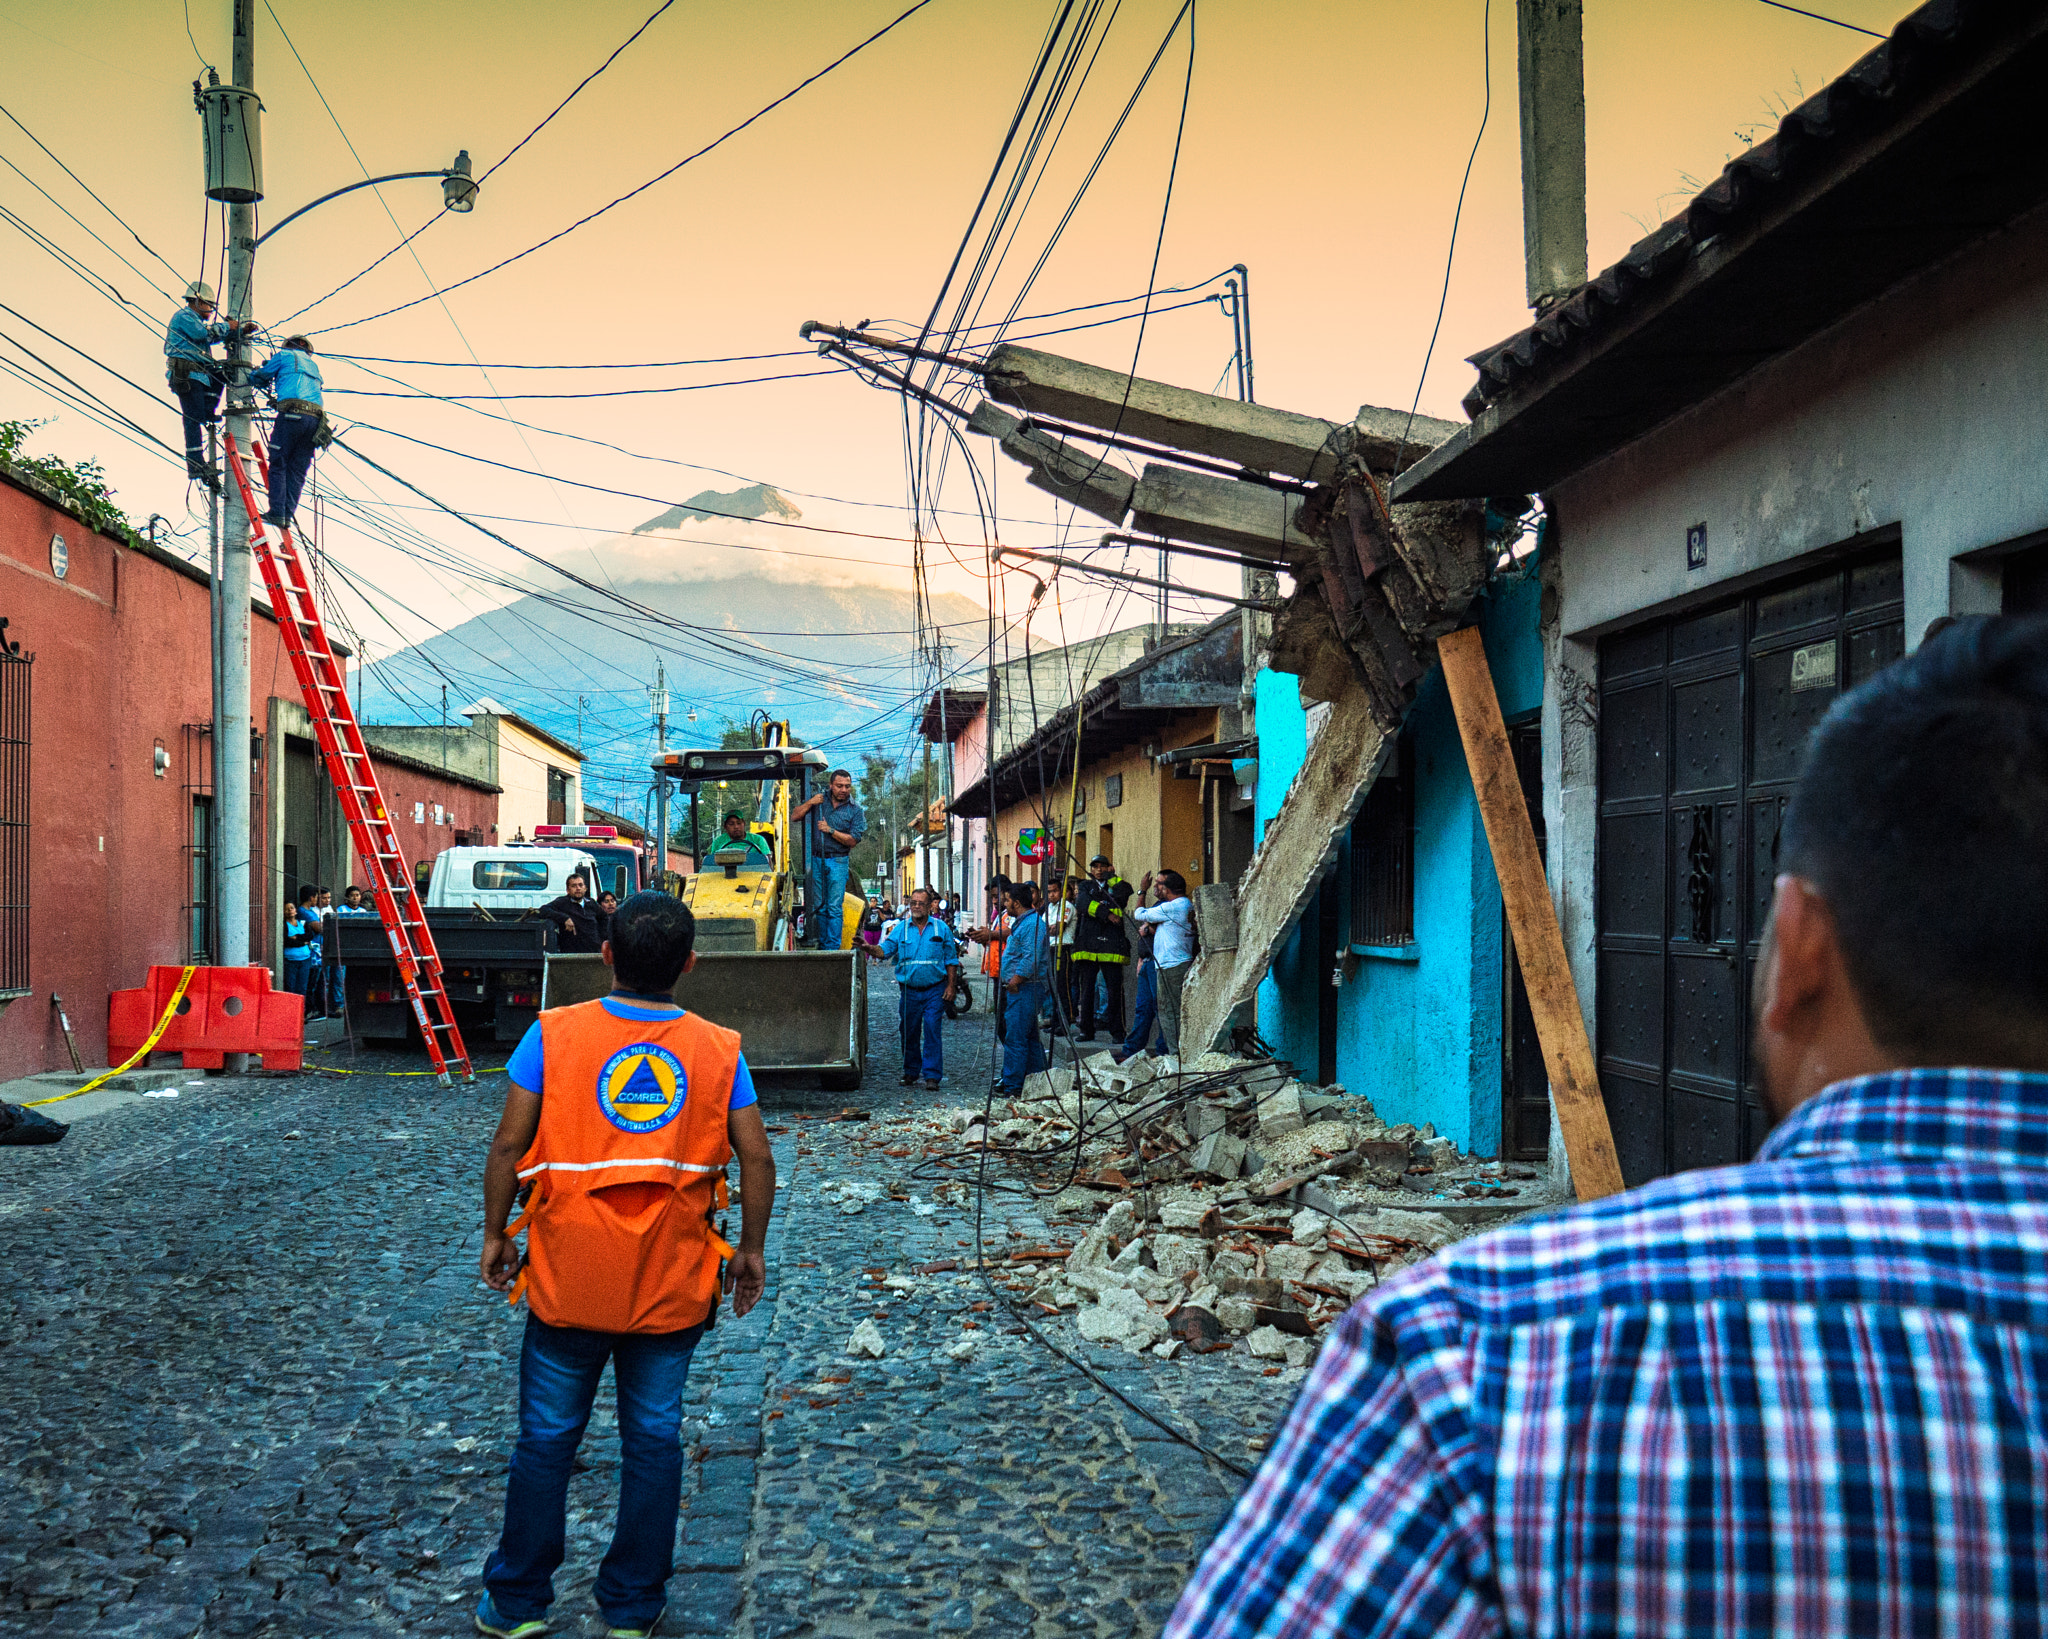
(507, 879)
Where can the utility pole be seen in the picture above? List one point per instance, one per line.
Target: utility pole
(658, 697)
(925, 864)
(1552, 73)
(1257, 585)
(234, 173)
(444, 729)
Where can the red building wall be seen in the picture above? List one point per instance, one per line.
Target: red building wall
(428, 809)
(122, 664)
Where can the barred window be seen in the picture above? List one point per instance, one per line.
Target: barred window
(15, 673)
(1383, 856)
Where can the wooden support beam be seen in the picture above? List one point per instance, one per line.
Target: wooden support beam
(1532, 919)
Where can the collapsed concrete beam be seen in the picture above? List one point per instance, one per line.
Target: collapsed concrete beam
(1297, 849)
(1077, 476)
(1247, 435)
(1233, 513)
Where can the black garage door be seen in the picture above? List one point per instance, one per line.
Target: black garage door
(1702, 720)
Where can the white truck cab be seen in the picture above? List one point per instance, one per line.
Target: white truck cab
(509, 878)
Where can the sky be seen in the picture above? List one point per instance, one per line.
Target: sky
(1324, 146)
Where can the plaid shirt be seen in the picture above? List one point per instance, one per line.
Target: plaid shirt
(1804, 1396)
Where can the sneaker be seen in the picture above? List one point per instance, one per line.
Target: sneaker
(908, 1081)
(637, 1631)
(273, 520)
(491, 1620)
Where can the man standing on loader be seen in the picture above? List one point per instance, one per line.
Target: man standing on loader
(839, 825)
(622, 1114)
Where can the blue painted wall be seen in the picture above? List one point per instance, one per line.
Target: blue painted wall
(1418, 1034)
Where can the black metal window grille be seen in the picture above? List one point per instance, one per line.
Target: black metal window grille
(15, 673)
(199, 903)
(1383, 856)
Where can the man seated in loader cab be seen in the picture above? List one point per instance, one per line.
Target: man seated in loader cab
(760, 848)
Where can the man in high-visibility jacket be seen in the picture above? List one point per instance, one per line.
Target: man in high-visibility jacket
(622, 1115)
(1101, 946)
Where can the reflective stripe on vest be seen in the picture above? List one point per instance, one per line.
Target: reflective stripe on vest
(625, 1167)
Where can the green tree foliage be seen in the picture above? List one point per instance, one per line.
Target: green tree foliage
(82, 483)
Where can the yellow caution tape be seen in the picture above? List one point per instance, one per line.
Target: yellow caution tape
(141, 1053)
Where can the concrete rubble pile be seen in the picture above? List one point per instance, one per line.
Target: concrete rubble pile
(1214, 1205)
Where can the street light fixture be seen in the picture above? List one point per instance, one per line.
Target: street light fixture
(458, 191)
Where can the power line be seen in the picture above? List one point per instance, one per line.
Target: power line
(615, 392)
(1457, 214)
(1854, 28)
(75, 177)
(687, 159)
(573, 95)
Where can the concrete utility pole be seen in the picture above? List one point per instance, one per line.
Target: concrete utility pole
(234, 173)
(658, 698)
(925, 829)
(1552, 65)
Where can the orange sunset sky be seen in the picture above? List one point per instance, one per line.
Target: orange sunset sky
(1324, 145)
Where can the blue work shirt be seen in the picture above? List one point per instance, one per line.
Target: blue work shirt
(1027, 953)
(922, 954)
(528, 1065)
(188, 336)
(288, 373)
(840, 816)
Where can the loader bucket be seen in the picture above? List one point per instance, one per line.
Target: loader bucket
(794, 1009)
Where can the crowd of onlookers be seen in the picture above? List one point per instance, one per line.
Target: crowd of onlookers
(1054, 957)
(312, 946)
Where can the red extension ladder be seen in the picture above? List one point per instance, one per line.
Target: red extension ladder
(348, 766)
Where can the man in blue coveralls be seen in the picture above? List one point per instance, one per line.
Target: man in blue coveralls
(1026, 971)
(927, 970)
(196, 377)
(293, 375)
(838, 826)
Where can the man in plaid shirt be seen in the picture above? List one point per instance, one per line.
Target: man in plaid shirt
(1804, 1396)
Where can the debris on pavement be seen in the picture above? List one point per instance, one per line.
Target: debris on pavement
(1192, 1208)
(867, 1341)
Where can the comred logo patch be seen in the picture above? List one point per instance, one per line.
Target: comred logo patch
(641, 1088)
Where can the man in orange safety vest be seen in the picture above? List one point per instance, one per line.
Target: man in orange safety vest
(622, 1116)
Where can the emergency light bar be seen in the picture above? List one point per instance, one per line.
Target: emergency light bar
(595, 832)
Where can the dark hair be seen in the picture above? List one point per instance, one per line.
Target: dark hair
(1025, 893)
(829, 778)
(1921, 816)
(652, 937)
(1175, 881)
(307, 894)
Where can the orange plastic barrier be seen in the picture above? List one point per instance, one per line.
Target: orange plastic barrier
(225, 1010)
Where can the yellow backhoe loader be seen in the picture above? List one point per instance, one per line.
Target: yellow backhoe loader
(796, 1009)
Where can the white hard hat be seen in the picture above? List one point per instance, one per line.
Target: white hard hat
(199, 291)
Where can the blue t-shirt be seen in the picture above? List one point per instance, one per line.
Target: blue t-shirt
(528, 1065)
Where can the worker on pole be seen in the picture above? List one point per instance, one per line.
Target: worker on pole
(196, 377)
(292, 376)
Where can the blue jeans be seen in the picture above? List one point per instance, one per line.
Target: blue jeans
(291, 456)
(1023, 1050)
(828, 900)
(919, 1011)
(333, 973)
(198, 398)
(559, 1368)
(1146, 1009)
(298, 974)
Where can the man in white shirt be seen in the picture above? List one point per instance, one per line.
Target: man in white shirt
(1172, 923)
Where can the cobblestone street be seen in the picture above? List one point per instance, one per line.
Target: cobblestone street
(257, 1389)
